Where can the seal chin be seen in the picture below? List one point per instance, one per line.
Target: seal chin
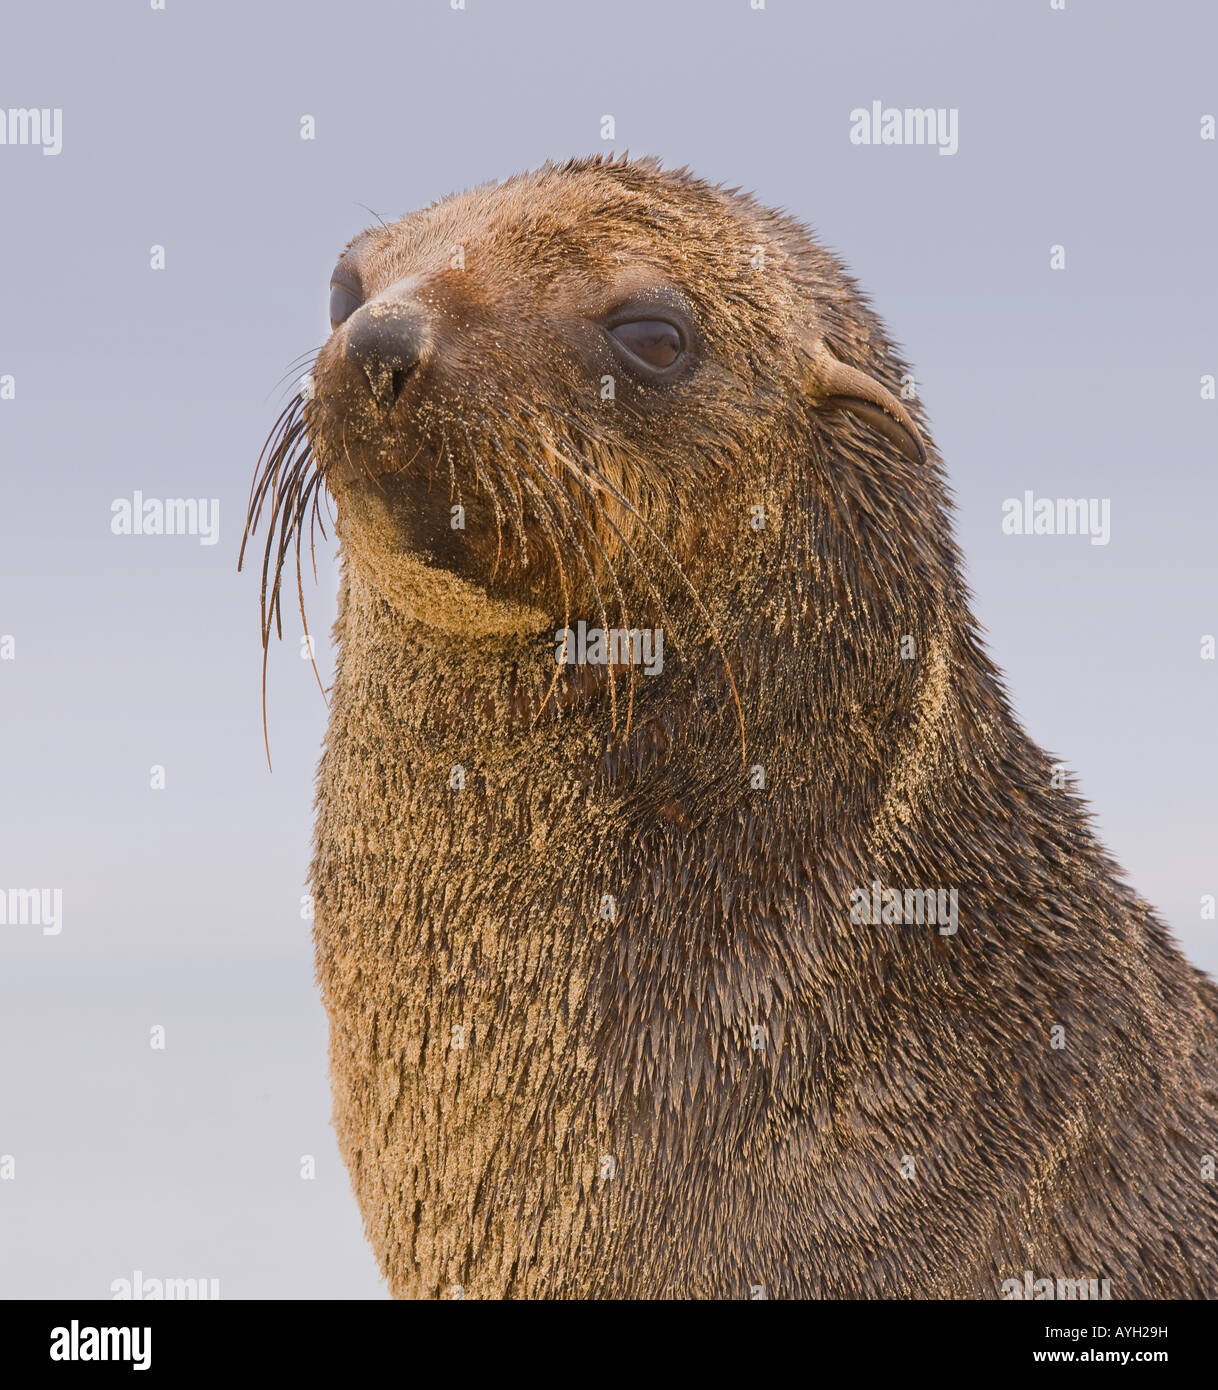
(415, 585)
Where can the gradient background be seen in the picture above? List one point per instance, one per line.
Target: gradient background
(182, 906)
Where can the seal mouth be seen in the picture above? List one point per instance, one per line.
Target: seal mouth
(565, 536)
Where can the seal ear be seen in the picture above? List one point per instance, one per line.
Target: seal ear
(832, 385)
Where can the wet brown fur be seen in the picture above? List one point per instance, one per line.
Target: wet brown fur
(545, 989)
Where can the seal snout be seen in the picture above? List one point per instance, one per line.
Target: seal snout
(386, 341)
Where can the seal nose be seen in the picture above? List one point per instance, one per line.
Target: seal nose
(386, 342)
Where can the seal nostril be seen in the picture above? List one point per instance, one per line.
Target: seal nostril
(398, 378)
(386, 342)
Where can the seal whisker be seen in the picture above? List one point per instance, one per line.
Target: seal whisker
(481, 474)
(575, 510)
(644, 572)
(285, 513)
(316, 519)
(308, 492)
(519, 521)
(554, 537)
(454, 490)
(368, 473)
(269, 457)
(377, 215)
(586, 483)
(678, 570)
(548, 483)
(296, 368)
(273, 484)
(288, 476)
(279, 466)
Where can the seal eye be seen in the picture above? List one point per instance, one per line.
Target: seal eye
(653, 341)
(344, 301)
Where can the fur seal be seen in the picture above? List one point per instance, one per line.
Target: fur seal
(635, 979)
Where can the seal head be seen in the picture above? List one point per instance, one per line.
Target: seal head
(534, 388)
